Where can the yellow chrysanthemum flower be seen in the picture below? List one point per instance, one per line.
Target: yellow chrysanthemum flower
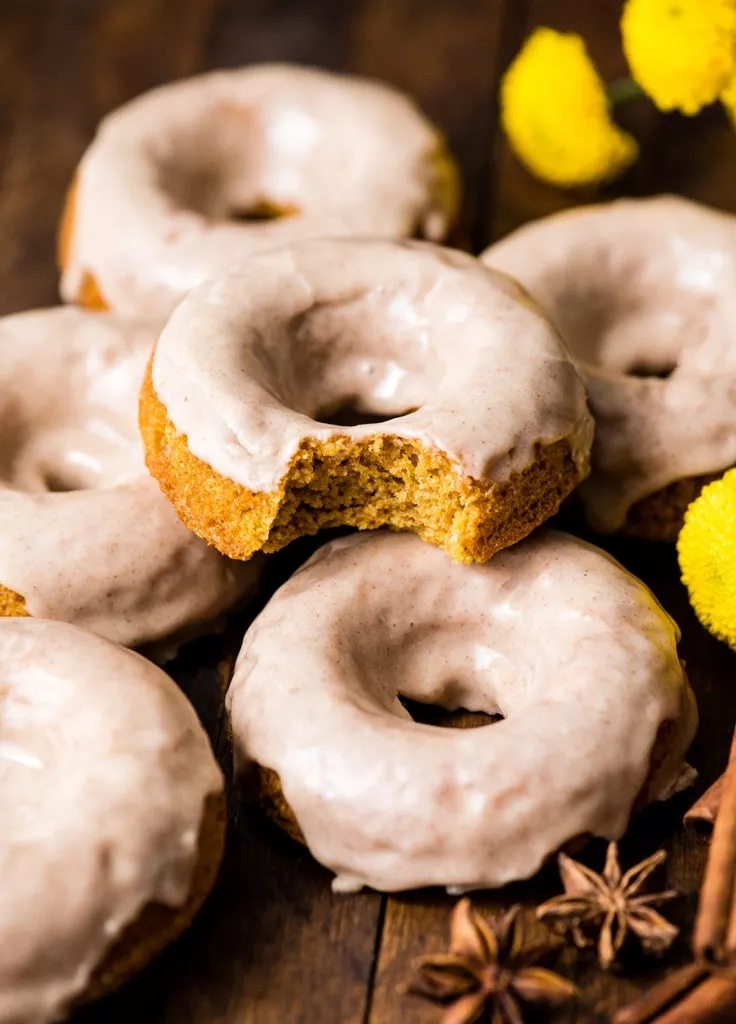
(707, 552)
(555, 112)
(681, 52)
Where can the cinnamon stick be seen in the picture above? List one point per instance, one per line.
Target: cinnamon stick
(713, 923)
(711, 1002)
(663, 996)
(701, 817)
(731, 933)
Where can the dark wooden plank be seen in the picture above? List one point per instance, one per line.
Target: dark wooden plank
(276, 945)
(445, 55)
(263, 30)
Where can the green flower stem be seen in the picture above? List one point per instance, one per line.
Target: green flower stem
(623, 89)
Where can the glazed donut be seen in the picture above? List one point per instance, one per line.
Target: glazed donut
(553, 634)
(643, 292)
(113, 816)
(85, 534)
(194, 175)
(487, 427)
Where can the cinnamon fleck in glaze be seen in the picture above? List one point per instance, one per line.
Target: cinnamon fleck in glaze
(644, 292)
(85, 534)
(553, 634)
(196, 174)
(104, 775)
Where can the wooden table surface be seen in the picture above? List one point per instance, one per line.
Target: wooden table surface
(273, 945)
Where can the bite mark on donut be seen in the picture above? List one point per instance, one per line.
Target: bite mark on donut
(368, 483)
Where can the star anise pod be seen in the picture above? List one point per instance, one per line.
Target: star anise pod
(488, 969)
(610, 904)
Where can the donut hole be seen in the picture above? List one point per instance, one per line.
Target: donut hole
(69, 457)
(206, 192)
(59, 480)
(645, 369)
(415, 658)
(457, 718)
(629, 316)
(46, 472)
(348, 414)
(634, 341)
(357, 360)
(220, 167)
(260, 212)
(210, 190)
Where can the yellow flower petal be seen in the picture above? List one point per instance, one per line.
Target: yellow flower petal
(681, 52)
(728, 99)
(707, 553)
(555, 112)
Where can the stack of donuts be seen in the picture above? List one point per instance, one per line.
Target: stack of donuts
(265, 338)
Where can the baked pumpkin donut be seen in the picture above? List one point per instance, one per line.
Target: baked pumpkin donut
(643, 293)
(194, 175)
(574, 652)
(485, 426)
(113, 816)
(85, 534)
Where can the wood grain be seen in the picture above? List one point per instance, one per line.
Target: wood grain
(273, 944)
(69, 62)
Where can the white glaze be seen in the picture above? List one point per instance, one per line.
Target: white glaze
(646, 285)
(157, 189)
(571, 649)
(252, 357)
(85, 534)
(104, 772)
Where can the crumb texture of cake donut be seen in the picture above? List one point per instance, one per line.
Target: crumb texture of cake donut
(112, 812)
(194, 175)
(644, 294)
(483, 429)
(555, 636)
(85, 533)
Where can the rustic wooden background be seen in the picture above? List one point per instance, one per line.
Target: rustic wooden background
(273, 945)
